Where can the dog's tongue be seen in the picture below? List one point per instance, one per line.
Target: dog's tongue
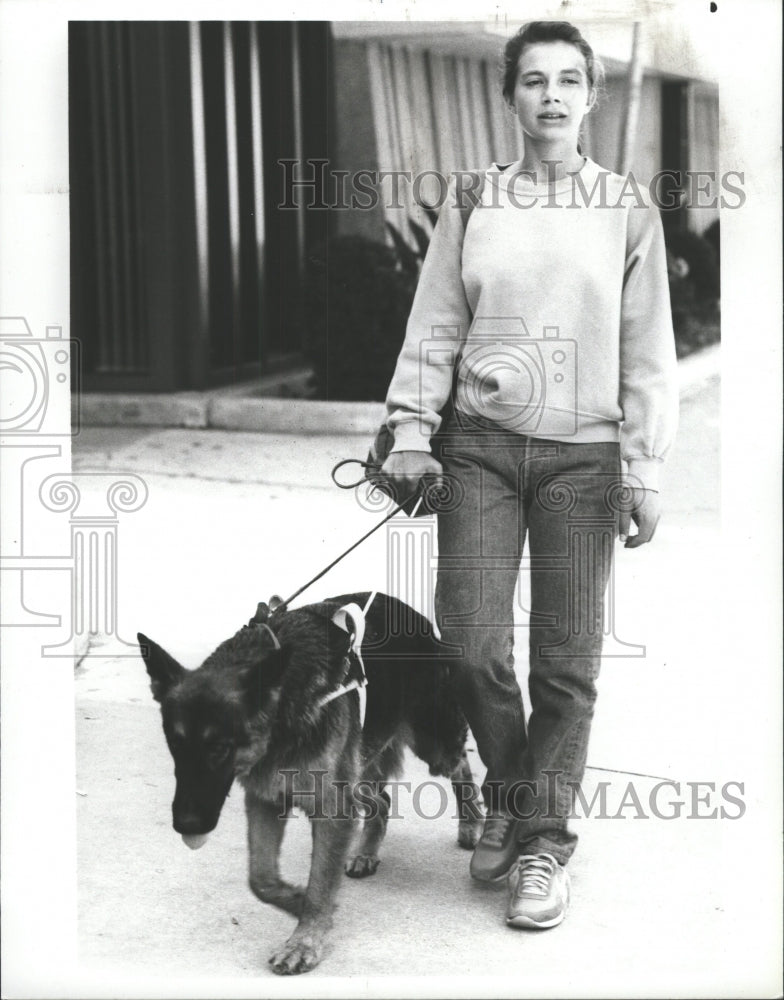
(195, 840)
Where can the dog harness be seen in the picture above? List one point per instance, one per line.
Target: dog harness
(351, 618)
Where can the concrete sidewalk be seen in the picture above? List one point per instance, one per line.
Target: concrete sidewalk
(234, 517)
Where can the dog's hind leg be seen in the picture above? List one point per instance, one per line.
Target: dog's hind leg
(366, 860)
(265, 834)
(304, 949)
(376, 803)
(469, 805)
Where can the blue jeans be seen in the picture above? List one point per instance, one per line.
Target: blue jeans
(563, 498)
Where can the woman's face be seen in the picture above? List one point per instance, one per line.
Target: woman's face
(552, 94)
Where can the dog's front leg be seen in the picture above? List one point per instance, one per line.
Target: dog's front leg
(266, 825)
(304, 949)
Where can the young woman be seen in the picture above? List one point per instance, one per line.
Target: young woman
(546, 318)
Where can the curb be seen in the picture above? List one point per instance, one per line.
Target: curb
(242, 409)
(295, 416)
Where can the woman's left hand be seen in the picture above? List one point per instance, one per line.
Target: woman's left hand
(646, 511)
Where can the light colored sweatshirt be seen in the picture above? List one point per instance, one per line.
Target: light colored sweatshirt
(553, 303)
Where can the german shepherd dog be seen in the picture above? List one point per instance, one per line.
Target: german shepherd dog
(263, 708)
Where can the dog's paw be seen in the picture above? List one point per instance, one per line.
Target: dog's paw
(298, 954)
(281, 894)
(468, 833)
(362, 865)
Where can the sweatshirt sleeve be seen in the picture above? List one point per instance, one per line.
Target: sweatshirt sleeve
(436, 329)
(648, 366)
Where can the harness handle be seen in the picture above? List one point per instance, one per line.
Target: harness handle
(353, 461)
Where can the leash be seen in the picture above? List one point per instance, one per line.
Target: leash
(350, 612)
(359, 541)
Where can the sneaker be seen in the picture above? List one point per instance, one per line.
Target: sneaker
(538, 892)
(497, 850)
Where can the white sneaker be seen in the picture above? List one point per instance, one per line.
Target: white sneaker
(538, 892)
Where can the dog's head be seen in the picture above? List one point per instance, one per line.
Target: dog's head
(206, 719)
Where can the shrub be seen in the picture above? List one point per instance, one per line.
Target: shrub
(693, 268)
(356, 306)
(713, 235)
(696, 322)
(702, 261)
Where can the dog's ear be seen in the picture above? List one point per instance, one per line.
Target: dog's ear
(163, 669)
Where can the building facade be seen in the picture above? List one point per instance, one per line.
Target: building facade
(206, 160)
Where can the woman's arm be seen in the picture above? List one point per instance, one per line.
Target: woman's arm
(437, 326)
(648, 372)
(648, 366)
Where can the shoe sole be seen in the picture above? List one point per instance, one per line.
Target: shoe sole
(541, 925)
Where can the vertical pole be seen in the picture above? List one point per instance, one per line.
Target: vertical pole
(258, 176)
(296, 80)
(631, 110)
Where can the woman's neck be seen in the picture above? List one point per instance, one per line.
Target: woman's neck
(550, 162)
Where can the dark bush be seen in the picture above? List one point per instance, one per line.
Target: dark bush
(702, 260)
(693, 266)
(713, 235)
(697, 324)
(356, 307)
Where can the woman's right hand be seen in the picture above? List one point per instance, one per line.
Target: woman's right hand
(407, 468)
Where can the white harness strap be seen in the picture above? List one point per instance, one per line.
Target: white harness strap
(351, 618)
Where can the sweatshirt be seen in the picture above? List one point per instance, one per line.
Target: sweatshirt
(549, 314)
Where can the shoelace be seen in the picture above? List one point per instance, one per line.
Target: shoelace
(495, 829)
(535, 873)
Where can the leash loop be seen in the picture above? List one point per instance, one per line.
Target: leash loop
(352, 461)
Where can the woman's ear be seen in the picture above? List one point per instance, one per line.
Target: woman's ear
(591, 100)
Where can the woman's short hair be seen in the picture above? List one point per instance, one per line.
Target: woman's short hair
(547, 31)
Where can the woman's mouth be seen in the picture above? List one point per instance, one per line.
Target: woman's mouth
(551, 116)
